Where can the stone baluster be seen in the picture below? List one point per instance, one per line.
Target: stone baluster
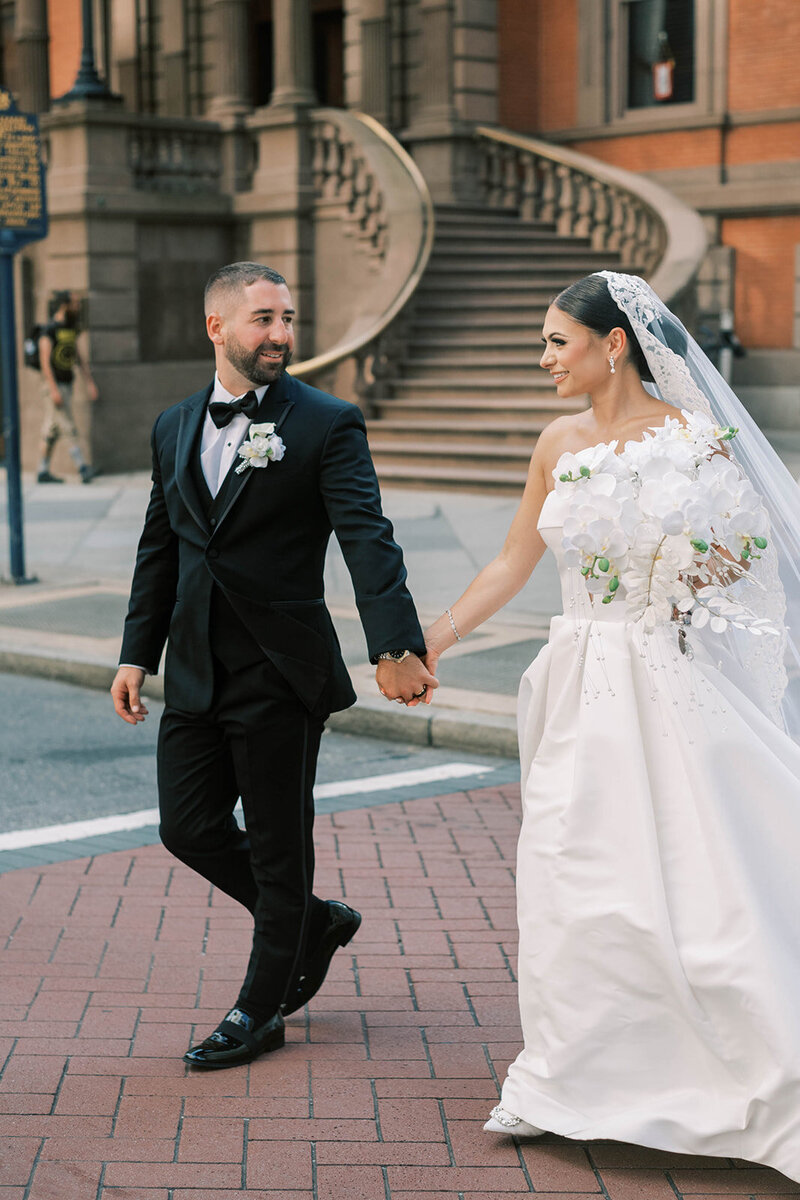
(565, 206)
(33, 71)
(511, 179)
(549, 190)
(601, 214)
(617, 220)
(584, 207)
(529, 189)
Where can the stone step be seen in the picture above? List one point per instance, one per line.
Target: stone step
(457, 214)
(540, 399)
(524, 285)
(489, 267)
(505, 299)
(480, 256)
(501, 408)
(476, 429)
(443, 339)
(463, 478)
(506, 240)
(483, 356)
(447, 452)
(488, 384)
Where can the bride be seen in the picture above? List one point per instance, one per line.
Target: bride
(659, 960)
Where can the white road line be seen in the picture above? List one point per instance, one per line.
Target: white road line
(78, 830)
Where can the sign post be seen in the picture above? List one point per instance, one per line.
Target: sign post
(23, 219)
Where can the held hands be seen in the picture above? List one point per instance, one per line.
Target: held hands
(409, 682)
(125, 694)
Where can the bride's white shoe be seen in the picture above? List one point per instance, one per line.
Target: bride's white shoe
(501, 1121)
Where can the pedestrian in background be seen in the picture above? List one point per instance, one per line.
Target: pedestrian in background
(58, 357)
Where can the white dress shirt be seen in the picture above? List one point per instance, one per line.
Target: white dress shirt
(218, 447)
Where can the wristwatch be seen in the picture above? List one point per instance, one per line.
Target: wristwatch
(397, 656)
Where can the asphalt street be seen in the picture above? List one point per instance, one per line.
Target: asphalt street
(67, 758)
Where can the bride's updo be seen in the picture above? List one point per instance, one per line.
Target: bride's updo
(589, 302)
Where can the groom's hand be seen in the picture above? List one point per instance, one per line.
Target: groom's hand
(125, 694)
(409, 681)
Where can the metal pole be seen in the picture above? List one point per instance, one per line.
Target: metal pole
(88, 83)
(8, 366)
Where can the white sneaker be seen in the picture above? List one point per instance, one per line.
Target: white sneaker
(501, 1121)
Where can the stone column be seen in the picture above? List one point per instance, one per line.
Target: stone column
(291, 23)
(33, 69)
(234, 93)
(376, 60)
(453, 37)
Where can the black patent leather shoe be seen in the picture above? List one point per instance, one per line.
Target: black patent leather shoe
(237, 1040)
(343, 923)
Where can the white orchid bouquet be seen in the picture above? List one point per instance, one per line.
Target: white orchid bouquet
(670, 524)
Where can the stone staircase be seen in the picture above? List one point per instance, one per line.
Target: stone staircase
(469, 399)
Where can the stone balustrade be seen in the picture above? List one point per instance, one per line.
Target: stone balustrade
(654, 233)
(537, 186)
(175, 156)
(342, 175)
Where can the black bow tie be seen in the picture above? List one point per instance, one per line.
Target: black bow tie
(222, 412)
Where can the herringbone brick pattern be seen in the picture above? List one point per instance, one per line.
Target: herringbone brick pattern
(109, 967)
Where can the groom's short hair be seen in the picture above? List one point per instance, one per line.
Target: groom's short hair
(225, 283)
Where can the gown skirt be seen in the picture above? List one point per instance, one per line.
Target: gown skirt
(658, 883)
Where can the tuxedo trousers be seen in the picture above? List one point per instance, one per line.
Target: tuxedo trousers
(259, 742)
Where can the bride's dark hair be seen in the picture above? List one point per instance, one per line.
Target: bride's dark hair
(589, 302)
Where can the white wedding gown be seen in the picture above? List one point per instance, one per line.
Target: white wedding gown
(658, 887)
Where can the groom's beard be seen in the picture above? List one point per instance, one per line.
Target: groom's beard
(251, 365)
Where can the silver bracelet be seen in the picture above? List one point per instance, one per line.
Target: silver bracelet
(453, 625)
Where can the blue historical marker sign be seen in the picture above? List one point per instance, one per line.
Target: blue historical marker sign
(23, 216)
(23, 219)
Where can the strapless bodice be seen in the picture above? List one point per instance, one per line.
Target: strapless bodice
(576, 600)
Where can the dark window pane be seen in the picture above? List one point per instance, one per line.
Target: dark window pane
(658, 32)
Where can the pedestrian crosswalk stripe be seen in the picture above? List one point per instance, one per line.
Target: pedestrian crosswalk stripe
(122, 822)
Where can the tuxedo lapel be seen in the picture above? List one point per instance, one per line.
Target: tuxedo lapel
(192, 414)
(275, 406)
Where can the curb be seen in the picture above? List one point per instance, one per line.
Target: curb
(462, 729)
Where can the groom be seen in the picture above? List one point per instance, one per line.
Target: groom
(229, 573)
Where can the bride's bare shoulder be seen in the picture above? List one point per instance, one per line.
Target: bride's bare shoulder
(560, 434)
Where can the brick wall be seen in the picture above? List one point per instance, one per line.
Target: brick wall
(763, 44)
(657, 151)
(64, 17)
(764, 277)
(764, 143)
(538, 61)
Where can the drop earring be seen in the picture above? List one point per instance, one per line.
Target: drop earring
(611, 364)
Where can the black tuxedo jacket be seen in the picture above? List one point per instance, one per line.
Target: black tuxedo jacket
(260, 547)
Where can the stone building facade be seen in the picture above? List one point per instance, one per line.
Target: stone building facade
(201, 153)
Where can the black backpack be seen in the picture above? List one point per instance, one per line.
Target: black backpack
(30, 348)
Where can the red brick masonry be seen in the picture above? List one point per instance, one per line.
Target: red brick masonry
(110, 966)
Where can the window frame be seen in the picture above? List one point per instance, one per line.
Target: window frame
(603, 81)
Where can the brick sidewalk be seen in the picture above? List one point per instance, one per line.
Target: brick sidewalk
(110, 966)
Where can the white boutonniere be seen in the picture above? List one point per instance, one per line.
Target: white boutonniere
(261, 447)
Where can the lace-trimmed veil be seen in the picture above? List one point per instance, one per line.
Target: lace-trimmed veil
(687, 379)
